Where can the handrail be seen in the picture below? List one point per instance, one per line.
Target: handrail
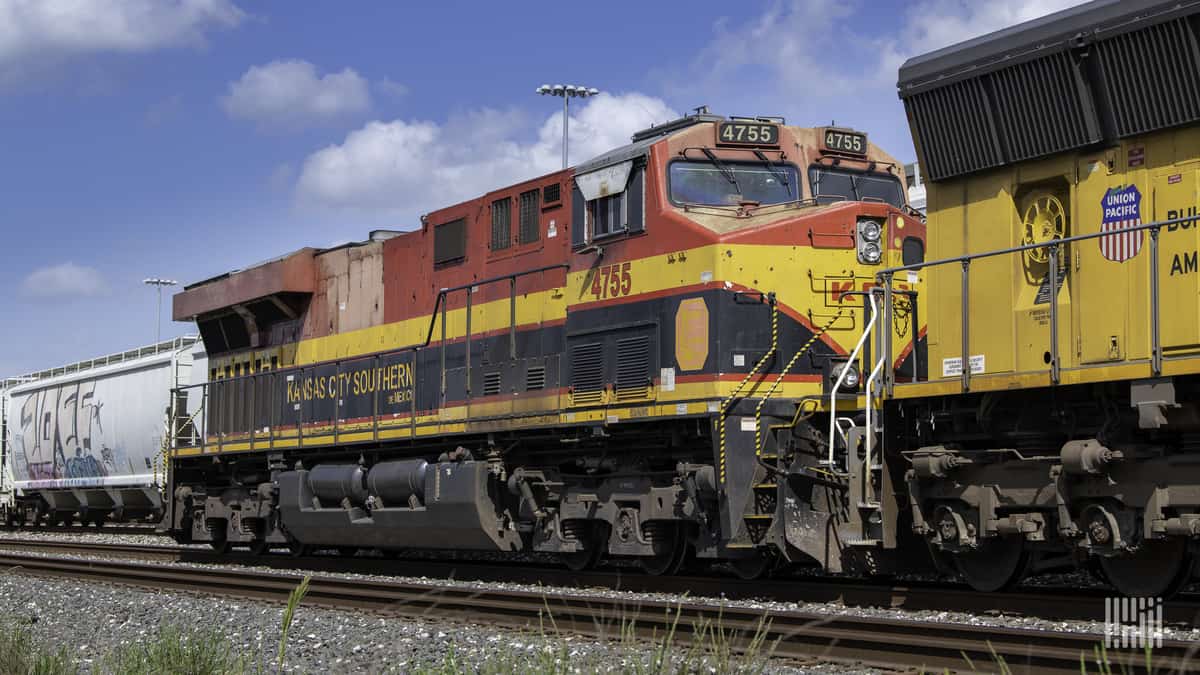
(866, 334)
(1154, 228)
(439, 313)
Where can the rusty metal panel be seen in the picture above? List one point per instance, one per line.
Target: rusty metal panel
(349, 290)
(293, 273)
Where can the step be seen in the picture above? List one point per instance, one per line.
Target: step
(863, 542)
(759, 516)
(766, 486)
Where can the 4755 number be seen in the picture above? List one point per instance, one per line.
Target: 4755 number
(612, 281)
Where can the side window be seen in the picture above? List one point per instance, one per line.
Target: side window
(501, 224)
(530, 211)
(450, 242)
(609, 201)
(607, 215)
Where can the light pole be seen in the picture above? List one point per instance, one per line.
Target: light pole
(159, 283)
(567, 93)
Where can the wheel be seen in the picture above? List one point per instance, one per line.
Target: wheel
(670, 546)
(259, 547)
(98, 521)
(1157, 569)
(996, 565)
(752, 567)
(347, 551)
(390, 553)
(221, 546)
(589, 535)
(298, 550)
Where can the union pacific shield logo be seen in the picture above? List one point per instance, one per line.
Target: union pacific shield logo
(1122, 210)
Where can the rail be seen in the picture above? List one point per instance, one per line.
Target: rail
(1053, 248)
(214, 416)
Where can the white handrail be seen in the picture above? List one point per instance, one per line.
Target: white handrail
(842, 377)
(871, 428)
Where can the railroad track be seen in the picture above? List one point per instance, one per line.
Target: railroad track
(80, 529)
(1051, 602)
(800, 635)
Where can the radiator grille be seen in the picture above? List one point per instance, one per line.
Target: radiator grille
(491, 384)
(1040, 108)
(1151, 77)
(633, 368)
(587, 373)
(1076, 93)
(535, 378)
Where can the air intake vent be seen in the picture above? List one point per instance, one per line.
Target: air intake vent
(633, 368)
(535, 378)
(1151, 77)
(1040, 108)
(491, 384)
(587, 373)
(955, 129)
(1070, 81)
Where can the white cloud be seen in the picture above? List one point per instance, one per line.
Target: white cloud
(409, 167)
(291, 93)
(34, 31)
(66, 281)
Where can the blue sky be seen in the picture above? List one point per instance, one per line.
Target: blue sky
(185, 138)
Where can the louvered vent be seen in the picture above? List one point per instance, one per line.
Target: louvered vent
(535, 378)
(587, 373)
(633, 368)
(1040, 108)
(491, 384)
(955, 129)
(1098, 74)
(1151, 77)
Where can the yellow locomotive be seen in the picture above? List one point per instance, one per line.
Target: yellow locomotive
(1060, 418)
(642, 356)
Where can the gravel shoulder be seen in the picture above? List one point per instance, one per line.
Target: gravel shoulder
(90, 619)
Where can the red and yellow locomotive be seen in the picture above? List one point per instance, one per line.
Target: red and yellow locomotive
(642, 356)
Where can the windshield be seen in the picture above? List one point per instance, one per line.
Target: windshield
(830, 185)
(729, 183)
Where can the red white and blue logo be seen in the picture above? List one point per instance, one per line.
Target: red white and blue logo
(1122, 211)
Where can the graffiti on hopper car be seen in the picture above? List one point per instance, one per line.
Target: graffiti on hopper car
(61, 435)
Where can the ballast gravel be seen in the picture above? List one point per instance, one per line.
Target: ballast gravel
(1097, 626)
(92, 619)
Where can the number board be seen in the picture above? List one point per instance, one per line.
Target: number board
(837, 140)
(747, 133)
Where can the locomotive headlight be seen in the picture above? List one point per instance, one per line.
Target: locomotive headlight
(869, 252)
(850, 381)
(870, 249)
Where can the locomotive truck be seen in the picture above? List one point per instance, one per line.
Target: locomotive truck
(641, 356)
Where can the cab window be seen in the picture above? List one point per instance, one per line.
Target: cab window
(835, 184)
(732, 183)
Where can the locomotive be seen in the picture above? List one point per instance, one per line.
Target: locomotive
(640, 357)
(1059, 421)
